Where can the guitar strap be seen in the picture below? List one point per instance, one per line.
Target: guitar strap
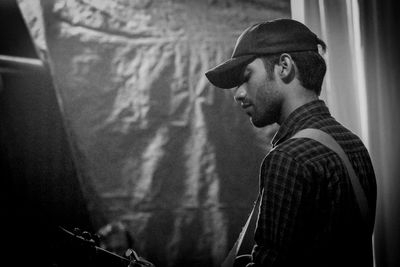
(328, 141)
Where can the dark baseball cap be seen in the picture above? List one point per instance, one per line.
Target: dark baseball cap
(268, 37)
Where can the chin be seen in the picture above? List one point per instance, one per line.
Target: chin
(262, 121)
(259, 124)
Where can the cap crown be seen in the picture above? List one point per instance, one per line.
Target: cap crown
(280, 35)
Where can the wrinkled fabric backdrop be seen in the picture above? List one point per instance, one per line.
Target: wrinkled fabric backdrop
(156, 145)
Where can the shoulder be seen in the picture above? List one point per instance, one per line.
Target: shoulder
(347, 139)
(304, 158)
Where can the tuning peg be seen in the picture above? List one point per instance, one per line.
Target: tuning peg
(86, 235)
(77, 231)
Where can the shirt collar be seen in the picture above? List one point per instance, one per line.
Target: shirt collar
(293, 122)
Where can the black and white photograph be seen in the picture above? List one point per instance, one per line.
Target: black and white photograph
(200, 133)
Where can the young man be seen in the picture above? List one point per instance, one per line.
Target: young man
(309, 214)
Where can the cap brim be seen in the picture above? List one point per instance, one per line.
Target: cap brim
(229, 73)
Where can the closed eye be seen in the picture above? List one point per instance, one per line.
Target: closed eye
(245, 77)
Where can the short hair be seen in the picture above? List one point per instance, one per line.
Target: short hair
(311, 66)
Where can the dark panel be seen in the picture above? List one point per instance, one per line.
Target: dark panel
(15, 38)
(39, 180)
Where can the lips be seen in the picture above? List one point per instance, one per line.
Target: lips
(245, 105)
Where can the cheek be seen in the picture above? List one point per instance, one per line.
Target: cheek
(258, 91)
(268, 104)
(262, 95)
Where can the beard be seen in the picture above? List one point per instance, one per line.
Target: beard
(268, 119)
(267, 113)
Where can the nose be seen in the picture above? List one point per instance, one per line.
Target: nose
(240, 94)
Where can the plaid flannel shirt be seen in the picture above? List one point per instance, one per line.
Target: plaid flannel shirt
(308, 213)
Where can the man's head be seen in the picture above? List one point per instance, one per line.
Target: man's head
(287, 51)
(266, 39)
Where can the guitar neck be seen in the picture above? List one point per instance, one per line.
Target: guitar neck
(106, 258)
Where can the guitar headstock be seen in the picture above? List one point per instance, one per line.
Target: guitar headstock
(85, 247)
(80, 248)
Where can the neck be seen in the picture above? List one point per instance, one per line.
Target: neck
(295, 100)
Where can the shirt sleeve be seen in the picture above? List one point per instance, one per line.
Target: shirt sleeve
(283, 209)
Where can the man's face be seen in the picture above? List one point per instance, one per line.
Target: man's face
(259, 95)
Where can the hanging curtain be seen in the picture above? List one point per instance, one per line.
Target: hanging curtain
(343, 89)
(361, 91)
(379, 32)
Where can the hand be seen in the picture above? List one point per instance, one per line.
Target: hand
(137, 261)
(141, 262)
(242, 260)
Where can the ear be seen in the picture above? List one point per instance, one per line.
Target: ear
(286, 68)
